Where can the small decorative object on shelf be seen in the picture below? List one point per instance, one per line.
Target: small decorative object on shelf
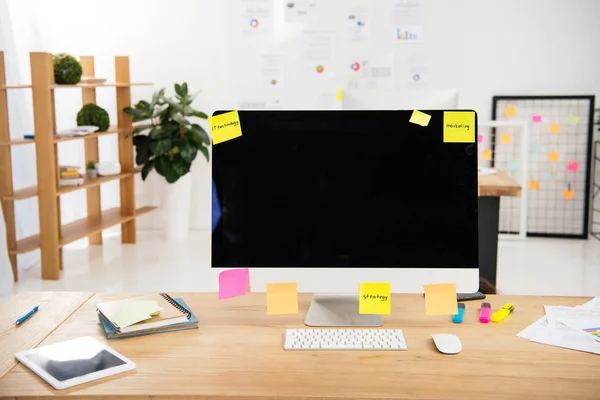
(108, 168)
(91, 171)
(91, 80)
(91, 114)
(67, 70)
(70, 176)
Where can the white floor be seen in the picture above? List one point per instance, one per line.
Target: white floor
(534, 266)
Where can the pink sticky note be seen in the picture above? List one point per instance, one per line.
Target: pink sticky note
(537, 119)
(572, 166)
(233, 283)
(479, 138)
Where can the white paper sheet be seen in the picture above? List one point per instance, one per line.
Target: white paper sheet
(407, 20)
(317, 53)
(372, 72)
(593, 304)
(260, 105)
(256, 18)
(534, 329)
(418, 73)
(270, 73)
(301, 11)
(358, 22)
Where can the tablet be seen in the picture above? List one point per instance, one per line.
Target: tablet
(73, 362)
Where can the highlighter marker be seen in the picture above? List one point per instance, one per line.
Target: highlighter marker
(458, 318)
(502, 313)
(484, 313)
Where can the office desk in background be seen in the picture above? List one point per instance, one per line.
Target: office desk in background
(491, 188)
(238, 354)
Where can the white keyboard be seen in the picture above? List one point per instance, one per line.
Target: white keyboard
(344, 339)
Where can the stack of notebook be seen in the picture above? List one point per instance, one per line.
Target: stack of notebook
(70, 176)
(145, 316)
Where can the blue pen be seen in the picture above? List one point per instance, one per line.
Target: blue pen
(458, 318)
(26, 316)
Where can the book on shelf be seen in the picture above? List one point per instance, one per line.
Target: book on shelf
(71, 181)
(69, 174)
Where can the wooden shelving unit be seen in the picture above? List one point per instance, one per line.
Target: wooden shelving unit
(53, 236)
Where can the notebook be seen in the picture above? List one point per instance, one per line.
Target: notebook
(111, 333)
(171, 313)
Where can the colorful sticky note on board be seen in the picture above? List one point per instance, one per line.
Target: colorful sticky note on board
(225, 127)
(534, 184)
(375, 298)
(233, 283)
(536, 148)
(554, 128)
(553, 156)
(479, 138)
(506, 138)
(340, 93)
(282, 298)
(486, 155)
(510, 110)
(572, 120)
(572, 166)
(459, 127)
(568, 194)
(419, 118)
(440, 299)
(536, 119)
(552, 176)
(513, 164)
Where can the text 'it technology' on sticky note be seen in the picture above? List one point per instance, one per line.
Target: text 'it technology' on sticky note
(233, 283)
(374, 298)
(419, 118)
(282, 298)
(440, 299)
(459, 126)
(224, 127)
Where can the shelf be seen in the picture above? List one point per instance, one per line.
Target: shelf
(88, 183)
(82, 228)
(111, 130)
(15, 87)
(95, 85)
(23, 193)
(17, 142)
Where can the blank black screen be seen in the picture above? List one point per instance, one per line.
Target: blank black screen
(344, 189)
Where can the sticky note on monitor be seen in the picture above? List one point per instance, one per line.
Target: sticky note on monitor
(233, 283)
(510, 110)
(506, 138)
(553, 156)
(440, 299)
(555, 128)
(459, 127)
(374, 298)
(225, 127)
(282, 298)
(486, 155)
(534, 184)
(419, 118)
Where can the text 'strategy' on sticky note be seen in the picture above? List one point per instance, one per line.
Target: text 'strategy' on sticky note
(225, 127)
(419, 118)
(486, 155)
(440, 299)
(233, 283)
(282, 298)
(459, 127)
(374, 298)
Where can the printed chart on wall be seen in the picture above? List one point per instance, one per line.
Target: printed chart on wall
(561, 131)
(407, 20)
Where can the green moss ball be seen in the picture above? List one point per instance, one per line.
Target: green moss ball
(67, 70)
(91, 114)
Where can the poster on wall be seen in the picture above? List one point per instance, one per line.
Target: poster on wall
(407, 20)
(418, 73)
(317, 53)
(256, 18)
(358, 20)
(270, 73)
(375, 72)
(301, 12)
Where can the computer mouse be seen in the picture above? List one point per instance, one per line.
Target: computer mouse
(447, 343)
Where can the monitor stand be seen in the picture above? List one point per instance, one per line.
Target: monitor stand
(338, 310)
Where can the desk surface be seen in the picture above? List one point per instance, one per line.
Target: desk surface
(498, 184)
(237, 354)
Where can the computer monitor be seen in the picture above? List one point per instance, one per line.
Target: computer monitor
(362, 191)
(404, 99)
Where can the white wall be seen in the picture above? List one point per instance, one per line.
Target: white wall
(483, 48)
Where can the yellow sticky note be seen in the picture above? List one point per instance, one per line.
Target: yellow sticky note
(440, 299)
(554, 128)
(486, 155)
(510, 110)
(339, 94)
(419, 118)
(282, 298)
(506, 138)
(553, 156)
(374, 298)
(132, 312)
(568, 194)
(459, 127)
(225, 127)
(534, 184)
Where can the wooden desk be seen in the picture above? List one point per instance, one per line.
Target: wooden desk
(55, 307)
(491, 187)
(237, 354)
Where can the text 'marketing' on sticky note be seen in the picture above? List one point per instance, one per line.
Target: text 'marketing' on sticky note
(233, 283)
(486, 155)
(554, 128)
(225, 127)
(419, 118)
(282, 298)
(374, 298)
(440, 299)
(510, 110)
(459, 127)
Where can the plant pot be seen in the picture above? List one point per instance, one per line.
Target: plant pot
(175, 207)
(91, 173)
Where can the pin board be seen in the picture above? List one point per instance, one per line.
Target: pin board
(559, 161)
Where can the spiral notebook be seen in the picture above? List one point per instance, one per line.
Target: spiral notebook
(171, 313)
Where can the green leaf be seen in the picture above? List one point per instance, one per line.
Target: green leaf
(162, 146)
(184, 89)
(147, 168)
(161, 164)
(200, 135)
(138, 115)
(204, 151)
(187, 151)
(163, 131)
(179, 119)
(176, 107)
(141, 128)
(199, 114)
(180, 165)
(142, 149)
(178, 89)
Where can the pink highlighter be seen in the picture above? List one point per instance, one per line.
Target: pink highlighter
(484, 313)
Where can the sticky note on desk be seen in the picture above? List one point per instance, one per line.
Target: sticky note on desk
(282, 298)
(419, 118)
(459, 127)
(233, 283)
(132, 312)
(225, 127)
(374, 298)
(440, 299)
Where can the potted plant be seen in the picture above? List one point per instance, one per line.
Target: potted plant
(91, 172)
(167, 141)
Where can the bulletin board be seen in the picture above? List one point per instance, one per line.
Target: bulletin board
(559, 161)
